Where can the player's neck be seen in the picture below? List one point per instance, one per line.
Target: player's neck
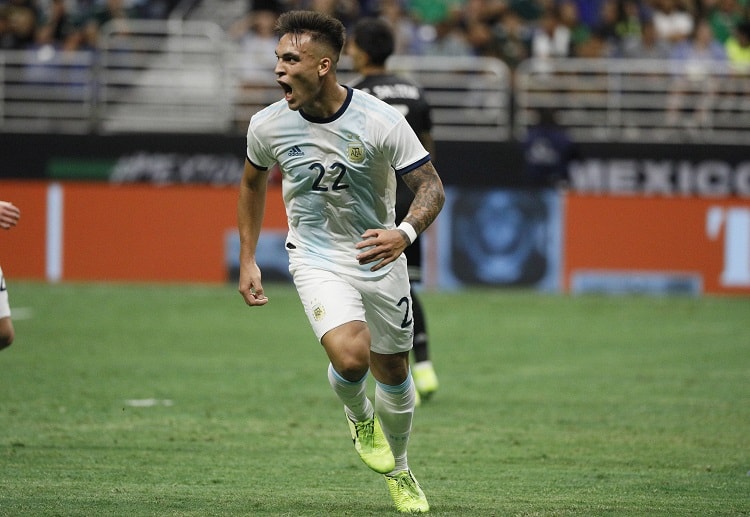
(369, 70)
(329, 102)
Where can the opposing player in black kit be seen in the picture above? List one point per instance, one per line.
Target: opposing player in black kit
(371, 43)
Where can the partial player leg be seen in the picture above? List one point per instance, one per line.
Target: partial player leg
(423, 371)
(394, 404)
(7, 333)
(347, 347)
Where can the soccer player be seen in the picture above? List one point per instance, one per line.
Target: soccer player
(369, 47)
(9, 216)
(339, 151)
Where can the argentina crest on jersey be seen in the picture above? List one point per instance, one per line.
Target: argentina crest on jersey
(355, 151)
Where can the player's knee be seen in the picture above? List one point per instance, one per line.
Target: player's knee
(7, 333)
(348, 348)
(6, 339)
(391, 369)
(352, 367)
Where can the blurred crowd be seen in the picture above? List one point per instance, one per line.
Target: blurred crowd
(70, 24)
(514, 30)
(511, 30)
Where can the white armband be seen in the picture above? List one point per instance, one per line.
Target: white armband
(409, 230)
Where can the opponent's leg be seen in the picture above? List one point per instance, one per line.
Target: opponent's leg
(423, 371)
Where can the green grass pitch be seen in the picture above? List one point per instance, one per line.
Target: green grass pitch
(153, 400)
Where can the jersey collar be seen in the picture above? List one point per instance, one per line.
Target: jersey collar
(341, 110)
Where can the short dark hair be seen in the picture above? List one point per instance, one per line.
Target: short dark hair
(375, 37)
(321, 28)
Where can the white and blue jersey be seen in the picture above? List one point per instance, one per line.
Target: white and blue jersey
(337, 174)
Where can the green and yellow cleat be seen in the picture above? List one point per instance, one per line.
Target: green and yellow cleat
(406, 493)
(372, 445)
(425, 379)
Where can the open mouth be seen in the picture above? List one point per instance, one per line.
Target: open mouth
(287, 89)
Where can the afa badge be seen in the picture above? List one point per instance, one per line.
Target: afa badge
(356, 152)
(318, 311)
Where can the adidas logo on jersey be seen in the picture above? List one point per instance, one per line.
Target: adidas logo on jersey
(295, 151)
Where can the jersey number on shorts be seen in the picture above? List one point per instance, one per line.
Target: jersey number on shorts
(337, 183)
(407, 318)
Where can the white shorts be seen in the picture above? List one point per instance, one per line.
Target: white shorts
(4, 304)
(332, 299)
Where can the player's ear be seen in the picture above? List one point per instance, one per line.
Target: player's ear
(324, 66)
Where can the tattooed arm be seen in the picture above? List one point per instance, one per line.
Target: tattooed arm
(428, 196)
(385, 246)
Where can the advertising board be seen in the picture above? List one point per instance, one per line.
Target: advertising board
(656, 244)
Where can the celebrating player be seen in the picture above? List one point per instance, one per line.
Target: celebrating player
(339, 151)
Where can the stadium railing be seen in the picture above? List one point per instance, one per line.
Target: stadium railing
(45, 91)
(638, 100)
(163, 76)
(188, 76)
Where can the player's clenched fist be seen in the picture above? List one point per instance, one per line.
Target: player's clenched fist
(9, 215)
(250, 286)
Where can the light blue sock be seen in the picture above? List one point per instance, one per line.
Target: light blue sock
(353, 394)
(394, 406)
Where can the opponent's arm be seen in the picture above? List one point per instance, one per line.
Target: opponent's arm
(250, 209)
(385, 246)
